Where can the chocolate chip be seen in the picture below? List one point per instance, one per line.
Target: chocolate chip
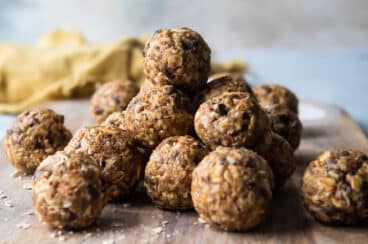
(33, 122)
(283, 118)
(157, 32)
(27, 113)
(116, 100)
(330, 161)
(187, 43)
(72, 216)
(99, 111)
(170, 90)
(345, 153)
(93, 192)
(221, 109)
(166, 70)
(50, 138)
(102, 163)
(362, 158)
(175, 154)
(267, 89)
(38, 143)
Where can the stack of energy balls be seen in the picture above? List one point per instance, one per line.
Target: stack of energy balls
(208, 142)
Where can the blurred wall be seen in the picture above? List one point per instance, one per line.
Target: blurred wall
(225, 24)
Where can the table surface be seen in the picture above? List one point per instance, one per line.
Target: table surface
(136, 220)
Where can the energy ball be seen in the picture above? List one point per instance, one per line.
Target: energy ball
(68, 191)
(233, 119)
(178, 57)
(168, 174)
(232, 188)
(280, 157)
(34, 135)
(118, 119)
(335, 187)
(158, 113)
(287, 124)
(221, 83)
(116, 154)
(112, 97)
(270, 95)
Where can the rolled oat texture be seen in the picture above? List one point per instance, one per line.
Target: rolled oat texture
(280, 157)
(287, 124)
(34, 135)
(68, 191)
(177, 56)
(335, 187)
(158, 113)
(219, 84)
(115, 152)
(112, 97)
(232, 189)
(168, 174)
(271, 95)
(233, 119)
(117, 119)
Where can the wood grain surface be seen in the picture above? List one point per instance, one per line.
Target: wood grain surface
(136, 220)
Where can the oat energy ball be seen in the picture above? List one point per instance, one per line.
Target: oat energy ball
(280, 157)
(34, 135)
(221, 83)
(116, 154)
(177, 56)
(68, 191)
(168, 174)
(112, 97)
(287, 124)
(335, 187)
(232, 188)
(270, 95)
(233, 119)
(158, 113)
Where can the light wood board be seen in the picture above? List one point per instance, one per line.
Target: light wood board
(136, 220)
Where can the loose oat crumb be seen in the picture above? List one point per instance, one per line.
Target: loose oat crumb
(23, 225)
(157, 230)
(9, 204)
(29, 212)
(16, 174)
(109, 241)
(27, 186)
(3, 196)
(126, 205)
(201, 221)
(165, 222)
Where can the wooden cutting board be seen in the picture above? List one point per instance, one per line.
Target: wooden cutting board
(136, 220)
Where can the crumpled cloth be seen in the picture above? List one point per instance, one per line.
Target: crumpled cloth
(64, 65)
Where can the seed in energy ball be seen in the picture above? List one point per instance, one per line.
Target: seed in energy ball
(68, 191)
(233, 119)
(168, 174)
(232, 188)
(280, 157)
(286, 123)
(112, 97)
(270, 95)
(335, 187)
(178, 57)
(115, 152)
(219, 84)
(34, 135)
(158, 113)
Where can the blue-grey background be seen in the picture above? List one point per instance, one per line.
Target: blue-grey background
(318, 48)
